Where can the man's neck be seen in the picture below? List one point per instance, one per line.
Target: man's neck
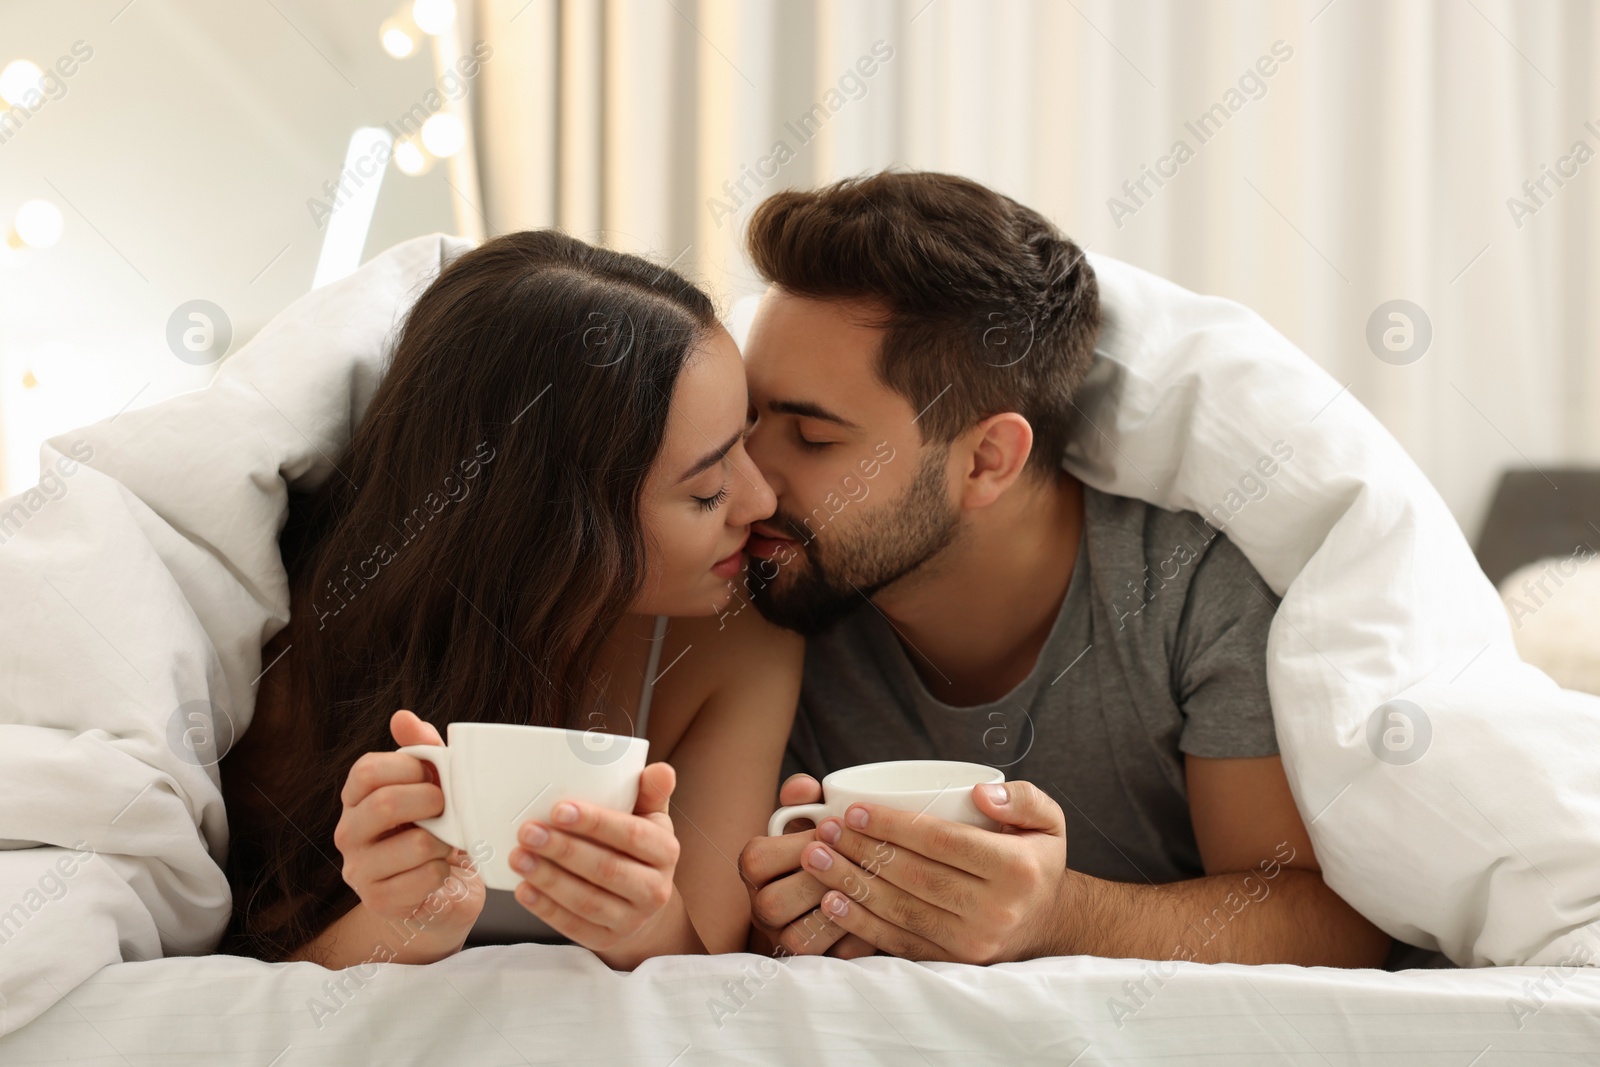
(974, 620)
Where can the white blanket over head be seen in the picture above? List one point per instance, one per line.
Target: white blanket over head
(144, 576)
(1452, 791)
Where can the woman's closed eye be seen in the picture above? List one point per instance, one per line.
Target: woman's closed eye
(714, 501)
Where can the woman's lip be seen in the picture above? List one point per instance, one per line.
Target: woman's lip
(732, 559)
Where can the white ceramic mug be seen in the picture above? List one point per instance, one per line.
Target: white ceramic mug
(497, 776)
(941, 788)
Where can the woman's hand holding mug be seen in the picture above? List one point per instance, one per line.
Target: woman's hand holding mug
(605, 878)
(399, 870)
(603, 860)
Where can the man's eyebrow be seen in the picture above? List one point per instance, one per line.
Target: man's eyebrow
(712, 458)
(808, 410)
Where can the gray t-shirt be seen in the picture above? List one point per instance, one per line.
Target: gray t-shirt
(1159, 649)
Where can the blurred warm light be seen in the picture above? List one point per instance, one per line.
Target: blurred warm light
(37, 225)
(401, 31)
(443, 135)
(18, 79)
(410, 158)
(28, 380)
(397, 40)
(433, 17)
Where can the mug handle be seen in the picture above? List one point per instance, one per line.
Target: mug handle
(783, 816)
(442, 826)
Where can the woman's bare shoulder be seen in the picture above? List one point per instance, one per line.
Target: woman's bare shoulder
(737, 652)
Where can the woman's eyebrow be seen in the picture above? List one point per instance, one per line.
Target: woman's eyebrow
(712, 458)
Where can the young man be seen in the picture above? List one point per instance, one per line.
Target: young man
(912, 372)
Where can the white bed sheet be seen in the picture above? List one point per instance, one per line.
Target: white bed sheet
(556, 1004)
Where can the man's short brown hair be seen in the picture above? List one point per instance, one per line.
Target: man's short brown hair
(988, 307)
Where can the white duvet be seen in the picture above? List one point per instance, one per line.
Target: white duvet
(143, 576)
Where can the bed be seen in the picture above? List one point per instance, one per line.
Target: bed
(519, 1004)
(140, 595)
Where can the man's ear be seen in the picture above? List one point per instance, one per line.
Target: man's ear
(998, 450)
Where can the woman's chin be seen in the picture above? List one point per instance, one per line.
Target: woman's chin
(714, 597)
(724, 597)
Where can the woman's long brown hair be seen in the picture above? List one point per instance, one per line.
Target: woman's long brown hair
(467, 559)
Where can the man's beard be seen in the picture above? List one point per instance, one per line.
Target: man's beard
(820, 586)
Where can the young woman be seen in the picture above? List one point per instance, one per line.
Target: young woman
(551, 468)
